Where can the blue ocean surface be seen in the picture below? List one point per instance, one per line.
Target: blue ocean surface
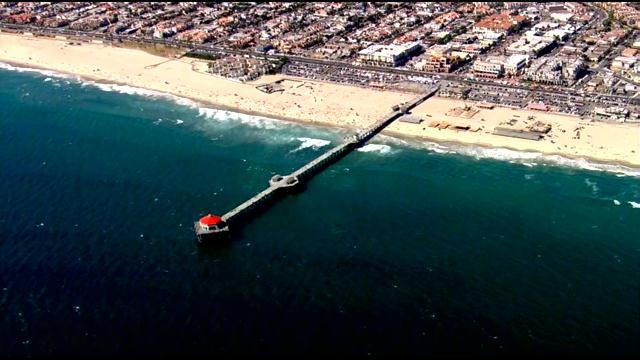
(399, 248)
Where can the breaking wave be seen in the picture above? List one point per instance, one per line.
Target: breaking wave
(132, 90)
(48, 73)
(634, 204)
(525, 158)
(226, 116)
(376, 148)
(210, 113)
(310, 143)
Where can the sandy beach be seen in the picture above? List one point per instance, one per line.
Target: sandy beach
(324, 103)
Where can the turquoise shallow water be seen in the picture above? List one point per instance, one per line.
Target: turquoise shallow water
(394, 249)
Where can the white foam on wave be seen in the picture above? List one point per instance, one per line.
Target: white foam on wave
(132, 90)
(526, 158)
(310, 143)
(227, 116)
(221, 115)
(437, 148)
(178, 122)
(108, 87)
(498, 153)
(207, 112)
(48, 73)
(634, 204)
(376, 148)
(616, 202)
(392, 140)
(592, 184)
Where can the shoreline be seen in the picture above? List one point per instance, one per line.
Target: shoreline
(591, 160)
(395, 130)
(197, 101)
(392, 134)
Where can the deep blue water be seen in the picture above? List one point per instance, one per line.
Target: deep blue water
(397, 251)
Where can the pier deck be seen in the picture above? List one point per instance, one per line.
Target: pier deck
(280, 183)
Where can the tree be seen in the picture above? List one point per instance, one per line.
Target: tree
(445, 39)
(459, 30)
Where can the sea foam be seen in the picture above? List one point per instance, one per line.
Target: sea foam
(592, 184)
(209, 113)
(526, 158)
(48, 73)
(376, 148)
(310, 143)
(250, 120)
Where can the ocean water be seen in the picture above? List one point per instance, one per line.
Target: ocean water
(399, 248)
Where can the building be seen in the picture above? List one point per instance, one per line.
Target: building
(515, 5)
(629, 52)
(490, 68)
(537, 106)
(388, 55)
(532, 45)
(623, 63)
(556, 71)
(572, 68)
(562, 16)
(435, 63)
(503, 22)
(611, 113)
(437, 58)
(515, 64)
(456, 91)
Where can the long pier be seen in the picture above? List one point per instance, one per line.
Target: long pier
(280, 183)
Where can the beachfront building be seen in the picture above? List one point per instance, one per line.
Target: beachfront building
(441, 58)
(515, 64)
(455, 90)
(388, 55)
(437, 63)
(556, 71)
(241, 68)
(616, 113)
(492, 68)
